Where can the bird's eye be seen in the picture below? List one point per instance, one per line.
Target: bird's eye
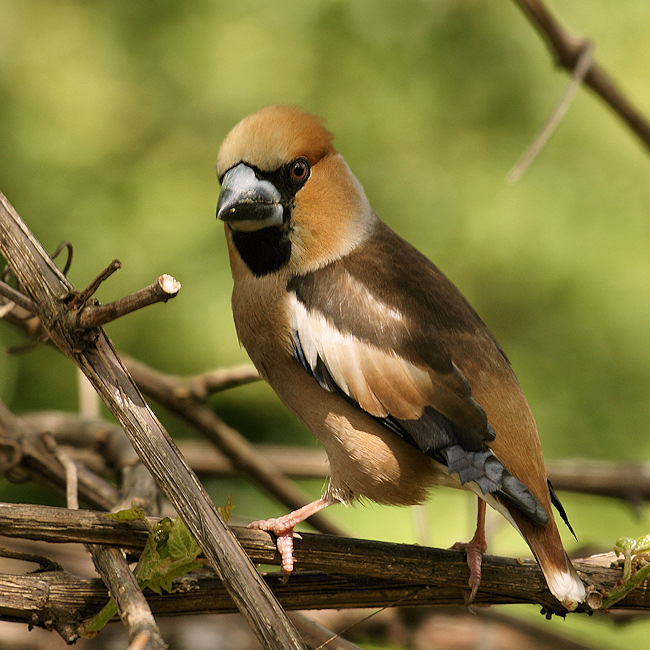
(299, 170)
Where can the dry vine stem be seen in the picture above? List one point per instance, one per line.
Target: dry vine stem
(91, 350)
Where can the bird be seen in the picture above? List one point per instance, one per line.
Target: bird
(373, 348)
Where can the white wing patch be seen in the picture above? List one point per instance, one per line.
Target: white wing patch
(381, 382)
(372, 306)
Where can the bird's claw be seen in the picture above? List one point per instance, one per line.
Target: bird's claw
(474, 550)
(283, 530)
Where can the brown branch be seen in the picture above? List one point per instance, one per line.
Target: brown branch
(357, 572)
(44, 563)
(90, 290)
(16, 297)
(208, 383)
(628, 481)
(625, 480)
(164, 288)
(132, 606)
(297, 461)
(27, 597)
(505, 580)
(24, 455)
(97, 447)
(94, 354)
(566, 48)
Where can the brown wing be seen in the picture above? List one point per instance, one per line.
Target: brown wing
(380, 331)
(382, 382)
(377, 335)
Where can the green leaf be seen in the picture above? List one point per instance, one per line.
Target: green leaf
(181, 542)
(131, 514)
(174, 555)
(226, 510)
(629, 548)
(169, 552)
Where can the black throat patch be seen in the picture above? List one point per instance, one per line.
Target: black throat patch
(263, 251)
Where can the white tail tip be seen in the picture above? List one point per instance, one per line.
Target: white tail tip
(567, 587)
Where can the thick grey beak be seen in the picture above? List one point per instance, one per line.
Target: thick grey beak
(248, 203)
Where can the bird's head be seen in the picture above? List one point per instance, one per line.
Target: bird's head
(288, 199)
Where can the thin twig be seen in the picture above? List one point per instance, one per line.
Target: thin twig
(68, 263)
(44, 563)
(582, 67)
(84, 295)
(215, 381)
(314, 633)
(31, 459)
(70, 468)
(103, 446)
(17, 297)
(567, 48)
(369, 616)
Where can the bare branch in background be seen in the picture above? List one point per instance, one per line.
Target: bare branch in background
(24, 455)
(567, 49)
(581, 69)
(95, 441)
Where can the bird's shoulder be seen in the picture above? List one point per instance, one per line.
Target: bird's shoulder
(383, 325)
(388, 294)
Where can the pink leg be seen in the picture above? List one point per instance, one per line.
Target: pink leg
(475, 549)
(283, 527)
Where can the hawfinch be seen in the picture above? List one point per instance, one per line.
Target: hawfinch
(372, 347)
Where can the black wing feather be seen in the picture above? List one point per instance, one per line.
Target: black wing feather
(555, 500)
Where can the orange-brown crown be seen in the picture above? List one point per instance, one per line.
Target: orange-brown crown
(272, 137)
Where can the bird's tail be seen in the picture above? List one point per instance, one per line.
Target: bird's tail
(546, 545)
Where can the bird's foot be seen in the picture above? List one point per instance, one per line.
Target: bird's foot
(282, 528)
(474, 549)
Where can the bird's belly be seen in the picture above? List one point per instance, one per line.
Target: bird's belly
(371, 462)
(366, 459)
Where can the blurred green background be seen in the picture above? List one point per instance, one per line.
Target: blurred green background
(111, 115)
